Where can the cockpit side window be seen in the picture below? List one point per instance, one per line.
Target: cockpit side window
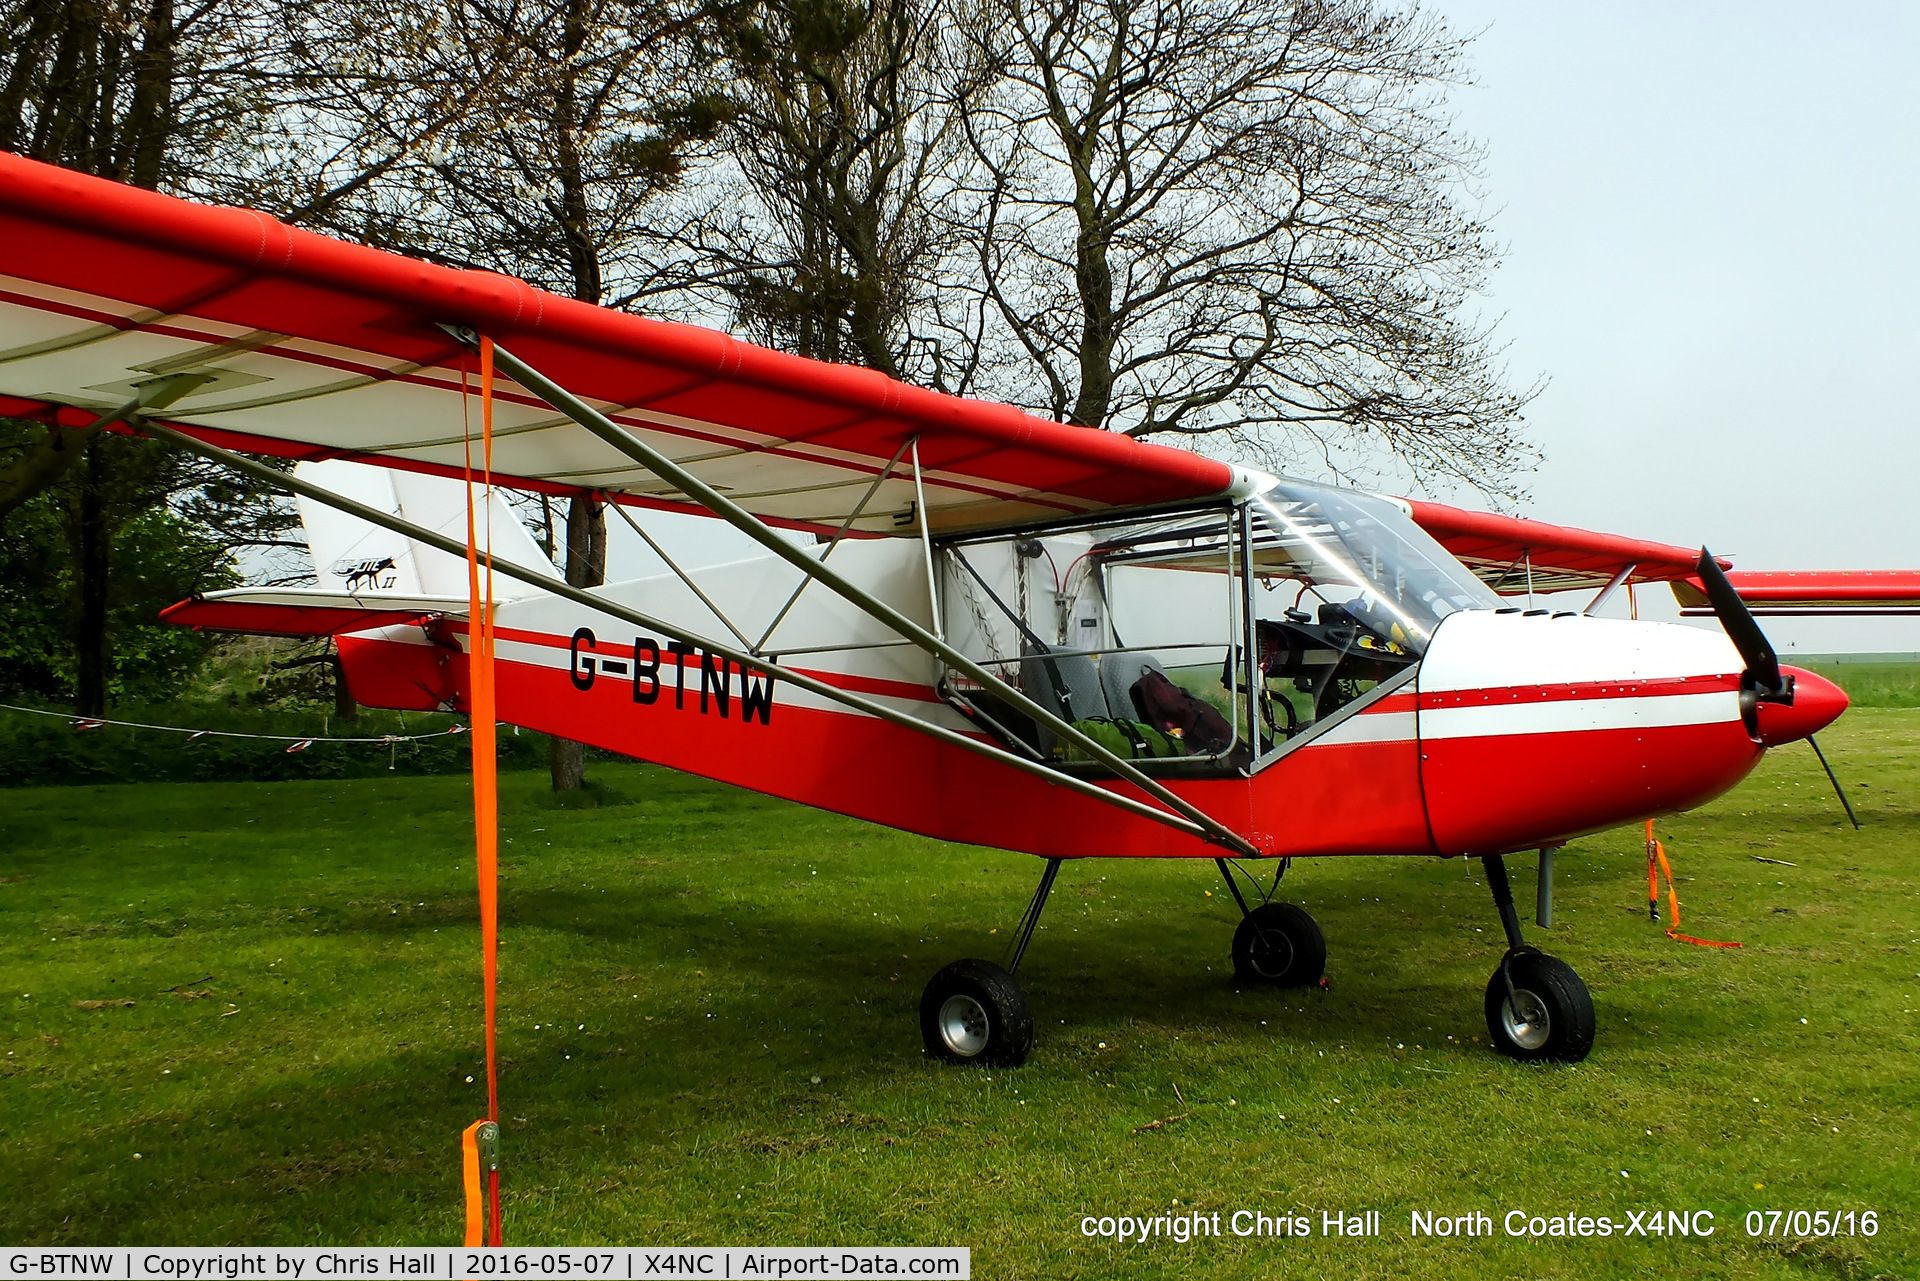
(1120, 627)
(1199, 641)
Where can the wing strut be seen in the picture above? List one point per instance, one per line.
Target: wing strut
(600, 604)
(1613, 585)
(706, 496)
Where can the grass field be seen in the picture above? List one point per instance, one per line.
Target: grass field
(1867, 682)
(708, 1033)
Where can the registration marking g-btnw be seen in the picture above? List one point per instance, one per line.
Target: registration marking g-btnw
(716, 675)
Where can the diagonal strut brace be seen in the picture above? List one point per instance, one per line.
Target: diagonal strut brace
(600, 604)
(1031, 921)
(726, 509)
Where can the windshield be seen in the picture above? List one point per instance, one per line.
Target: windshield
(1364, 555)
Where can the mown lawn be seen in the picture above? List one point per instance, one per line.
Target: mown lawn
(290, 1041)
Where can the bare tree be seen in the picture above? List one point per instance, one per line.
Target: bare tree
(146, 92)
(559, 123)
(1239, 219)
(551, 173)
(841, 143)
(362, 94)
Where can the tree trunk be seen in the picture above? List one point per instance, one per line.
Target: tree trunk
(150, 122)
(586, 567)
(1093, 279)
(92, 651)
(42, 465)
(568, 765)
(344, 706)
(586, 564)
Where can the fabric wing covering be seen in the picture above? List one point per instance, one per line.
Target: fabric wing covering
(1813, 593)
(1514, 555)
(317, 348)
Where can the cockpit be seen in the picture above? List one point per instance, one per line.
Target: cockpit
(1203, 641)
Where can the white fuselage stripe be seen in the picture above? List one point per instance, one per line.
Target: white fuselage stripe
(1372, 727)
(1565, 716)
(1560, 716)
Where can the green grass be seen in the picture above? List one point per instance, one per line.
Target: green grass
(676, 970)
(1868, 683)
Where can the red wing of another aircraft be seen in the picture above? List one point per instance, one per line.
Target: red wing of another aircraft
(1812, 593)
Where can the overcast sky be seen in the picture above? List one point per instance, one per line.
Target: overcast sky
(1713, 253)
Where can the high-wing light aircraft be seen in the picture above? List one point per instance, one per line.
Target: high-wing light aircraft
(947, 616)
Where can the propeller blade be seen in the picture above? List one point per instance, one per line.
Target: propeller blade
(1833, 778)
(1763, 665)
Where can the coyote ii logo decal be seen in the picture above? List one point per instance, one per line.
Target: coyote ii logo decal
(376, 574)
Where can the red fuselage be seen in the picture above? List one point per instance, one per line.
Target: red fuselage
(1514, 732)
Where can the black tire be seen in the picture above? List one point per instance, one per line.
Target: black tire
(1559, 1001)
(974, 1012)
(1279, 945)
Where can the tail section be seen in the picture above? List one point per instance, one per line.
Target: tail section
(362, 560)
(382, 596)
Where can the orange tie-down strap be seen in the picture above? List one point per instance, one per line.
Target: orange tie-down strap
(1657, 859)
(480, 1156)
(480, 1142)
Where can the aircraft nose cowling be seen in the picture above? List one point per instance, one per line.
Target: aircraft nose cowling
(1817, 703)
(1535, 729)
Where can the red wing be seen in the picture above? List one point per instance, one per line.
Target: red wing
(321, 349)
(1514, 556)
(1813, 593)
(1505, 550)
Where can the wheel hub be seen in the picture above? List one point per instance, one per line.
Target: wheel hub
(963, 1025)
(1525, 1019)
(1272, 954)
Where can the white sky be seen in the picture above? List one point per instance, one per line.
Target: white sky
(1713, 252)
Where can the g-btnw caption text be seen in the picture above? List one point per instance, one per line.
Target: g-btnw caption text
(1653, 1225)
(308, 1263)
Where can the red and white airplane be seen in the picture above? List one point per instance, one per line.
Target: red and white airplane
(937, 614)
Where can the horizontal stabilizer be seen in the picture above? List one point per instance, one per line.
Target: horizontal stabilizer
(275, 611)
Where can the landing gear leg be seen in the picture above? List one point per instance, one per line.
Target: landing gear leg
(1537, 1007)
(1276, 944)
(973, 1011)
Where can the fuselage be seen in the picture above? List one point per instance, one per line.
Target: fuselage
(1513, 730)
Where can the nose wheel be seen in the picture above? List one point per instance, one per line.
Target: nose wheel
(1278, 944)
(1275, 944)
(1538, 1010)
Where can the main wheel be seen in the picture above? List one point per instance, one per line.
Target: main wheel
(973, 1012)
(1548, 1016)
(1280, 945)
